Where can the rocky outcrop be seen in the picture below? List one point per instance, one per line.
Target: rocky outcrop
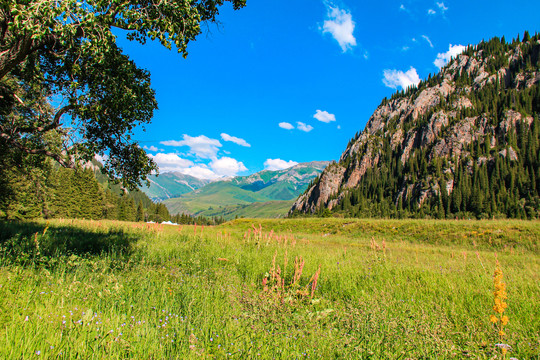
(438, 117)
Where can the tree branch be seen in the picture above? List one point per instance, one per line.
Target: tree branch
(58, 157)
(51, 126)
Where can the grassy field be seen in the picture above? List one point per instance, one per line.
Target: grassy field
(285, 289)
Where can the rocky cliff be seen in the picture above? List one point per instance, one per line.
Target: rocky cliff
(420, 139)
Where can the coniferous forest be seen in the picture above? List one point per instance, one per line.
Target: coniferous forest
(497, 174)
(47, 190)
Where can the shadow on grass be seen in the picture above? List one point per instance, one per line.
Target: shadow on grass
(23, 242)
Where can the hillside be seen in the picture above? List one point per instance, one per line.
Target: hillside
(267, 210)
(235, 193)
(171, 185)
(465, 143)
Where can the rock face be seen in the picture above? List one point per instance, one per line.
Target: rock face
(440, 117)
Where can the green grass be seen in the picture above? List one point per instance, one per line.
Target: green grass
(267, 210)
(119, 290)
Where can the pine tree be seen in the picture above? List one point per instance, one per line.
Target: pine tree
(140, 211)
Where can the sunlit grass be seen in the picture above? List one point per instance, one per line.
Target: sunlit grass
(97, 289)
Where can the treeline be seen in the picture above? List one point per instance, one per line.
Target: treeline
(496, 175)
(199, 220)
(49, 191)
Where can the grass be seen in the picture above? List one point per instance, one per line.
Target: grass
(268, 210)
(88, 289)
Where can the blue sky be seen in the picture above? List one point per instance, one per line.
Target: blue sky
(286, 81)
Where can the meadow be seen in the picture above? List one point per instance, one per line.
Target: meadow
(283, 289)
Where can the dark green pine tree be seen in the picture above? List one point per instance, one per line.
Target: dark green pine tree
(64, 203)
(109, 206)
(88, 194)
(140, 211)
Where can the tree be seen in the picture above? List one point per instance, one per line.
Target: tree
(140, 211)
(68, 92)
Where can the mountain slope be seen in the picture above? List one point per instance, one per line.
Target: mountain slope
(264, 186)
(267, 210)
(171, 185)
(463, 143)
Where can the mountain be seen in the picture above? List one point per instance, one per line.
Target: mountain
(171, 185)
(463, 143)
(226, 196)
(267, 209)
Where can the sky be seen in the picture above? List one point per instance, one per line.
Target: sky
(288, 81)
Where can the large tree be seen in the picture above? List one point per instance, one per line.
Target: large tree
(66, 89)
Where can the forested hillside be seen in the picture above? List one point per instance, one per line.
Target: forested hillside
(50, 191)
(463, 143)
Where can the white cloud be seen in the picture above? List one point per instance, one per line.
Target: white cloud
(201, 172)
(324, 116)
(402, 7)
(101, 159)
(339, 127)
(227, 166)
(303, 127)
(428, 40)
(235, 140)
(405, 48)
(441, 6)
(170, 162)
(150, 148)
(395, 78)
(431, 12)
(443, 58)
(201, 146)
(278, 164)
(340, 25)
(286, 126)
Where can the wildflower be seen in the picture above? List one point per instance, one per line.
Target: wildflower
(499, 297)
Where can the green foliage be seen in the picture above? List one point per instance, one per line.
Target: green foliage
(66, 50)
(57, 192)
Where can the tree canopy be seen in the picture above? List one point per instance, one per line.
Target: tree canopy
(66, 89)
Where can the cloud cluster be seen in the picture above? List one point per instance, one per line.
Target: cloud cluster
(299, 125)
(235, 140)
(227, 166)
(443, 58)
(200, 146)
(442, 7)
(286, 125)
(340, 25)
(208, 164)
(169, 162)
(303, 127)
(397, 78)
(324, 116)
(278, 164)
(150, 148)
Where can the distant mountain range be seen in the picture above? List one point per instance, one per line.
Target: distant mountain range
(234, 196)
(171, 185)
